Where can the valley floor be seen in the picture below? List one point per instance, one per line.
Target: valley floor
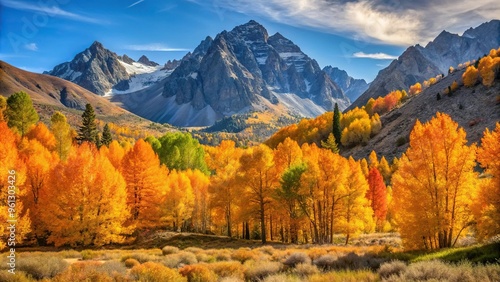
(168, 256)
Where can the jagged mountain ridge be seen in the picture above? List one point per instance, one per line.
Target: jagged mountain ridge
(419, 63)
(229, 72)
(352, 87)
(102, 71)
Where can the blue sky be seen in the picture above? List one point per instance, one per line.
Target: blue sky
(359, 36)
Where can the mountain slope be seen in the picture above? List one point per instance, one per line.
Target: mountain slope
(352, 87)
(419, 63)
(474, 109)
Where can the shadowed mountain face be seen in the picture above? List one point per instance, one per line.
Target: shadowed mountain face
(352, 87)
(230, 72)
(419, 63)
(96, 69)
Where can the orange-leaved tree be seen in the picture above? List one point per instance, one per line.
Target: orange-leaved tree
(377, 195)
(434, 185)
(12, 179)
(146, 187)
(86, 201)
(487, 204)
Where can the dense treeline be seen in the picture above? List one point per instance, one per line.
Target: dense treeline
(74, 191)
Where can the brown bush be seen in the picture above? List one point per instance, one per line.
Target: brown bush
(168, 250)
(243, 254)
(153, 272)
(258, 270)
(129, 263)
(198, 273)
(228, 269)
(297, 258)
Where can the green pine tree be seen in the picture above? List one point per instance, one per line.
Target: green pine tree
(20, 112)
(88, 131)
(106, 136)
(337, 133)
(330, 144)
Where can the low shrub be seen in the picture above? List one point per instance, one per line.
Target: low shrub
(168, 250)
(194, 250)
(83, 271)
(112, 268)
(153, 272)
(179, 259)
(70, 254)
(258, 270)
(130, 262)
(439, 271)
(228, 269)
(394, 267)
(19, 276)
(141, 257)
(325, 262)
(198, 273)
(305, 270)
(202, 257)
(41, 266)
(243, 254)
(296, 258)
(281, 278)
(88, 254)
(344, 276)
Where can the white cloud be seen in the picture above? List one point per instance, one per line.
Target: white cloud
(155, 47)
(54, 11)
(376, 56)
(135, 3)
(31, 47)
(392, 22)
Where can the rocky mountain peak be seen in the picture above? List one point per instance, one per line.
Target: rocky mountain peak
(251, 32)
(126, 59)
(145, 61)
(96, 47)
(96, 69)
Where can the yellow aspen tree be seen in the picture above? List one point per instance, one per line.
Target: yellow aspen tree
(200, 218)
(179, 201)
(487, 205)
(62, 133)
(224, 162)
(470, 76)
(260, 178)
(86, 202)
(145, 180)
(42, 134)
(434, 185)
(385, 169)
(356, 214)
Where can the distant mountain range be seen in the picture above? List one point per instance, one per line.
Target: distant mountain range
(419, 63)
(238, 71)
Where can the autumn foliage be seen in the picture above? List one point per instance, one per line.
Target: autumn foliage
(434, 185)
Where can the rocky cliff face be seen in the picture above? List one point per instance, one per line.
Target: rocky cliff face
(95, 69)
(231, 72)
(352, 87)
(419, 63)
